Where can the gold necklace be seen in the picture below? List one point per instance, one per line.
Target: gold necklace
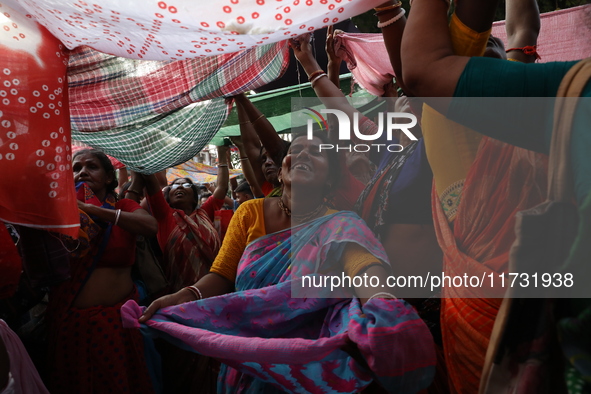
(310, 215)
(285, 209)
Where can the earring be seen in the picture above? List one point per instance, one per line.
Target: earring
(280, 180)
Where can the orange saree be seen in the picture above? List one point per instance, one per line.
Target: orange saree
(502, 180)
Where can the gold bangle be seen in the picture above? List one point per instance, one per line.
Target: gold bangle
(389, 7)
(257, 118)
(247, 122)
(312, 82)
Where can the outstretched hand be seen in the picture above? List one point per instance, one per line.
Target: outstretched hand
(301, 46)
(177, 298)
(330, 44)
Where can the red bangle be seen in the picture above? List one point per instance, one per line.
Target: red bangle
(531, 50)
(196, 292)
(314, 74)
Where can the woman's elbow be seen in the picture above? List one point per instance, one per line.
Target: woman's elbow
(412, 78)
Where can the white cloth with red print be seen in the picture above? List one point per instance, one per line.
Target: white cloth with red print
(35, 153)
(181, 29)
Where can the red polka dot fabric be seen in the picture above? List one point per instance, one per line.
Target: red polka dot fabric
(35, 153)
(180, 29)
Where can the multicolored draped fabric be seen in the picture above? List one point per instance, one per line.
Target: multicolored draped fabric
(150, 115)
(181, 29)
(192, 247)
(270, 340)
(155, 115)
(375, 200)
(197, 172)
(503, 180)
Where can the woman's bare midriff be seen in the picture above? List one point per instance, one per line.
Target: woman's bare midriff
(106, 286)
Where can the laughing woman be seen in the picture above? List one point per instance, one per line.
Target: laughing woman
(243, 312)
(90, 351)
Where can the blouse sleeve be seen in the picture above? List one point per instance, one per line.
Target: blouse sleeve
(159, 207)
(357, 258)
(211, 205)
(226, 262)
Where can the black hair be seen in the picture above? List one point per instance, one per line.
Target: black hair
(105, 164)
(244, 187)
(193, 187)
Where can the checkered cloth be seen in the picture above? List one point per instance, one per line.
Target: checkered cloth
(153, 115)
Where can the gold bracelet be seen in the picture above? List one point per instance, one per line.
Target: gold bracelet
(389, 7)
(312, 82)
(257, 118)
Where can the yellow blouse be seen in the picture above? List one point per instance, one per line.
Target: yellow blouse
(451, 148)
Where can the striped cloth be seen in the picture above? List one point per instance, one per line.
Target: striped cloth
(153, 115)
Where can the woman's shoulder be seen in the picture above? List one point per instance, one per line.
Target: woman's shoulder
(254, 204)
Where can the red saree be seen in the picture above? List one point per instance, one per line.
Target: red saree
(89, 350)
(191, 248)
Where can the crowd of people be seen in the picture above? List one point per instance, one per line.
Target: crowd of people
(230, 318)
